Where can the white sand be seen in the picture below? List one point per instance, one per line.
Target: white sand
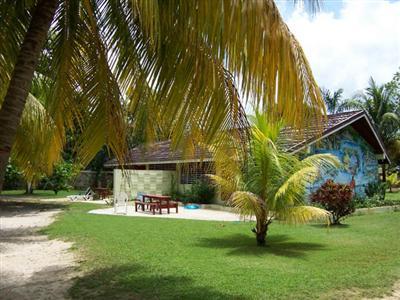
(31, 265)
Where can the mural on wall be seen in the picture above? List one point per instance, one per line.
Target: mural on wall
(357, 157)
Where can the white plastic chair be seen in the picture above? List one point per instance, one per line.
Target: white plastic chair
(121, 203)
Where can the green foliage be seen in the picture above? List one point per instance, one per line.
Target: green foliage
(270, 183)
(203, 191)
(376, 189)
(166, 65)
(335, 198)
(373, 201)
(379, 101)
(13, 177)
(392, 181)
(333, 101)
(61, 178)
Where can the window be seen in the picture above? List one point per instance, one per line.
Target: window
(192, 172)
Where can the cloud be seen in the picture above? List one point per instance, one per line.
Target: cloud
(345, 49)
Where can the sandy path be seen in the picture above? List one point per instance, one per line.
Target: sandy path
(31, 265)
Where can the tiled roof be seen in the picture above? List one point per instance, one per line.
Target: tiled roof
(159, 152)
(293, 140)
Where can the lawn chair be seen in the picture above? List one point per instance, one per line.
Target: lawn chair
(87, 196)
(121, 202)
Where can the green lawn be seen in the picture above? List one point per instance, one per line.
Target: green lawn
(136, 258)
(395, 196)
(46, 194)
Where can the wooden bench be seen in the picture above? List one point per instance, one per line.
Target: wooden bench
(156, 203)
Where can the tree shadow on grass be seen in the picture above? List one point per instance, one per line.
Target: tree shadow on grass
(336, 226)
(136, 281)
(280, 245)
(25, 206)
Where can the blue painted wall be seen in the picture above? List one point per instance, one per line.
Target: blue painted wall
(356, 155)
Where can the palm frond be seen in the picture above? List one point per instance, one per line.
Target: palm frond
(38, 145)
(292, 191)
(390, 117)
(302, 215)
(247, 203)
(322, 161)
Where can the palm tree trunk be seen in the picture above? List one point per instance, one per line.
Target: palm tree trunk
(261, 235)
(21, 79)
(261, 231)
(29, 188)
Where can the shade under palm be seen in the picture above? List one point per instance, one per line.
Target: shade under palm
(166, 62)
(269, 183)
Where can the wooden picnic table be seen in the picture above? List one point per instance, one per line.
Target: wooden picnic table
(156, 202)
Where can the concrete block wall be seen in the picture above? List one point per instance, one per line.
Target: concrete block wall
(144, 181)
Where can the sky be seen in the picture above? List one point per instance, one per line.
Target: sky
(348, 41)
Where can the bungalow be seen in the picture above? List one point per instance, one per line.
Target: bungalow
(350, 136)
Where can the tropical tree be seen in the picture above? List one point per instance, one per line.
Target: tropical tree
(379, 103)
(334, 101)
(268, 182)
(392, 181)
(174, 61)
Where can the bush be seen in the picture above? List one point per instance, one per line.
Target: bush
(392, 181)
(13, 178)
(335, 198)
(63, 174)
(376, 188)
(203, 191)
(374, 201)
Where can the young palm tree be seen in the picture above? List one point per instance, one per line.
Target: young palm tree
(269, 183)
(169, 60)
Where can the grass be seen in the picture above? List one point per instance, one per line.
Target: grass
(395, 196)
(43, 194)
(150, 258)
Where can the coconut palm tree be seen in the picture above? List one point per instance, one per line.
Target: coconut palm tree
(333, 101)
(378, 101)
(173, 61)
(269, 183)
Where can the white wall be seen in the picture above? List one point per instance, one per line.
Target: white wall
(145, 181)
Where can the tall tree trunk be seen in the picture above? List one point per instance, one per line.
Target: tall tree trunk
(21, 79)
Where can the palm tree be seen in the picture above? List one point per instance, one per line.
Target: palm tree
(269, 183)
(378, 102)
(333, 101)
(174, 61)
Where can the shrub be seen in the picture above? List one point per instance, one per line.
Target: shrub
(374, 201)
(392, 181)
(335, 198)
(376, 188)
(13, 178)
(203, 191)
(62, 175)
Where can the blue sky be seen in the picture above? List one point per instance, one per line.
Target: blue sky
(348, 40)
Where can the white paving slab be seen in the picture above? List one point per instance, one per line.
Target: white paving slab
(183, 213)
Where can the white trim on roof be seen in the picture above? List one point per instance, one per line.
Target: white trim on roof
(362, 115)
(161, 162)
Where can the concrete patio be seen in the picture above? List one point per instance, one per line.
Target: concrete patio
(183, 213)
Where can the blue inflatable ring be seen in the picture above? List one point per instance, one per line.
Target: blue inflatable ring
(192, 206)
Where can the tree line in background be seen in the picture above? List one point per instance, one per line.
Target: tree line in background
(382, 104)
